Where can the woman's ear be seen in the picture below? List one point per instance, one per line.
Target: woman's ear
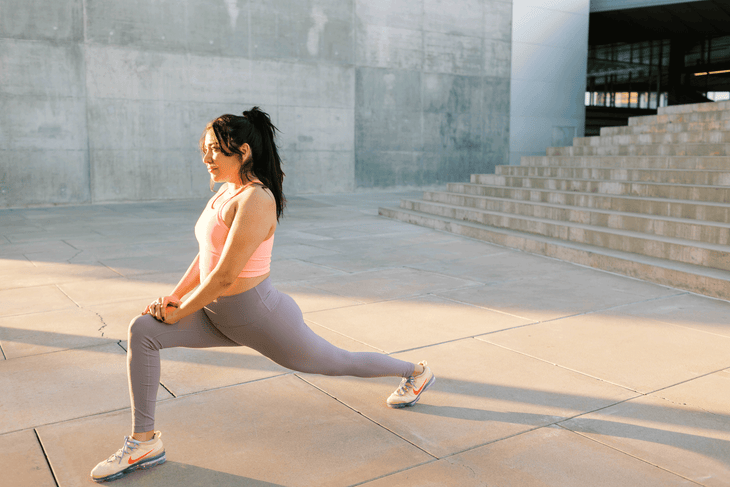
(246, 153)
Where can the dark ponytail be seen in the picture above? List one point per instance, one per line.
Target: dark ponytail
(255, 129)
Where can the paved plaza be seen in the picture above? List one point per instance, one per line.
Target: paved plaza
(548, 373)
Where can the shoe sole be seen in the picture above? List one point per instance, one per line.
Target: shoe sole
(408, 404)
(152, 462)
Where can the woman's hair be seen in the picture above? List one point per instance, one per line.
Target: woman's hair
(255, 129)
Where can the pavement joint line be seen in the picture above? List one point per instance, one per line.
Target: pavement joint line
(318, 265)
(64, 241)
(347, 336)
(629, 454)
(45, 455)
(83, 347)
(113, 270)
(366, 417)
(3, 351)
(168, 390)
(563, 367)
(29, 260)
(446, 457)
(61, 421)
(69, 297)
(432, 345)
(482, 307)
(686, 380)
(228, 386)
(395, 472)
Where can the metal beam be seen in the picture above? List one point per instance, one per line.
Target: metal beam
(609, 5)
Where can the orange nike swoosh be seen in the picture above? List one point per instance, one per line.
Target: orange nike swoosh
(419, 390)
(132, 460)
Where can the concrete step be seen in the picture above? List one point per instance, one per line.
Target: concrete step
(643, 150)
(719, 125)
(693, 210)
(672, 176)
(719, 106)
(690, 192)
(674, 249)
(680, 117)
(701, 231)
(634, 162)
(694, 278)
(698, 137)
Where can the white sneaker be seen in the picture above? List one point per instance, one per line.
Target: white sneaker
(133, 455)
(410, 389)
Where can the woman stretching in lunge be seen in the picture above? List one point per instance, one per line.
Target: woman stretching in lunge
(234, 303)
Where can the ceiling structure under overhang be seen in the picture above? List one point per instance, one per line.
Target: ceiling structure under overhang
(620, 21)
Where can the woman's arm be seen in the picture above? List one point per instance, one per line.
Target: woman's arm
(187, 283)
(253, 221)
(189, 280)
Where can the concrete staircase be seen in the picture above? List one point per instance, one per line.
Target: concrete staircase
(650, 200)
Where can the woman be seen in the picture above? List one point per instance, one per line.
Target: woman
(233, 302)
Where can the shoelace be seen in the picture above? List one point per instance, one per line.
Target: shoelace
(404, 384)
(129, 446)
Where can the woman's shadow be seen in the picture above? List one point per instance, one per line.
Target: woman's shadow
(176, 474)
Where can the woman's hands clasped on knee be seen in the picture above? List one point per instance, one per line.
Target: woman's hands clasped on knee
(164, 308)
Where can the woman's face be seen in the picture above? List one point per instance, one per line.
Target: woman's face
(222, 168)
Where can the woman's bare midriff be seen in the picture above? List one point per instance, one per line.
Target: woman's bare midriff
(243, 284)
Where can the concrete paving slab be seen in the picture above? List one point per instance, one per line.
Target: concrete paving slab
(52, 273)
(291, 270)
(281, 431)
(548, 457)
(22, 461)
(710, 393)
(11, 264)
(13, 249)
(134, 265)
(389, 284)
(548, 297)
(612, 346)
(369, 257)
(117, 315)
(688, 310)
(405, 324)
(681, 439)
(312, 299)
(187, 370)
(50, 331)
(63, 385)
(99, 291)
(500, 265)
(299, 251)
(33, 299)
(488, 394)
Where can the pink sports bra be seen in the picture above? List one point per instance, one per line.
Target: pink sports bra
(211, 232)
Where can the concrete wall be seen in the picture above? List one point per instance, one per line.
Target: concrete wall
(103, 100)
(548, 80)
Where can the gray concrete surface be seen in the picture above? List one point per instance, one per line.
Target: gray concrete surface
(548, 78)
(548, 373)
(102, 99)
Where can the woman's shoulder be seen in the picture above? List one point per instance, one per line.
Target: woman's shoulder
(256, 195)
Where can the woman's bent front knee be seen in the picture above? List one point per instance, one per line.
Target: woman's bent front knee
(141, 328)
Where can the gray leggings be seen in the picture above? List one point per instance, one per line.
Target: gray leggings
(261, 318)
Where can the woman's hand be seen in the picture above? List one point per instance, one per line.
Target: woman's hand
(171, 314)
(161, 308)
